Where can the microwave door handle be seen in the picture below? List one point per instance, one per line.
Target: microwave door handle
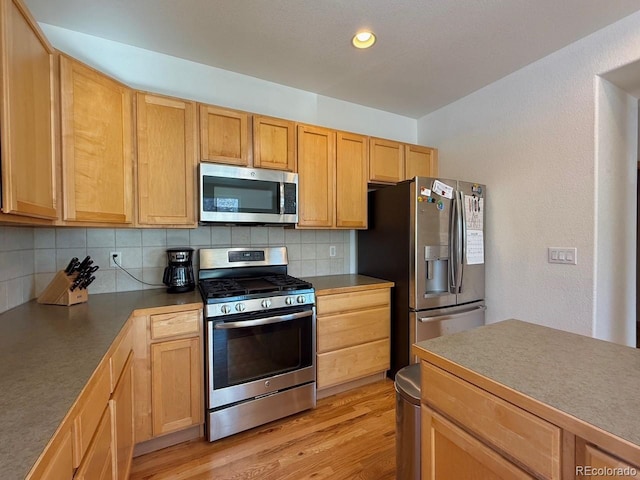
(281, 198)
(262, 321)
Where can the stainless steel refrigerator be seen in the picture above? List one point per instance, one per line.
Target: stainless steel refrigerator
(427, 236)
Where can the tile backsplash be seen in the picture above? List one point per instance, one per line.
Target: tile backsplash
(17, 269)
(144, 252)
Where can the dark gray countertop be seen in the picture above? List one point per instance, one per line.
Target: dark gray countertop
(595, 381)
(47, 355)
(328, 284)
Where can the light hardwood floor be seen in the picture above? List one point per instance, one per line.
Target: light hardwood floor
(347, 436)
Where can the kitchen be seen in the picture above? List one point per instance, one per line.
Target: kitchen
(553, 123)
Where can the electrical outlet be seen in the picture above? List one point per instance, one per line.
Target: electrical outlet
(115, 257)
(332, 251)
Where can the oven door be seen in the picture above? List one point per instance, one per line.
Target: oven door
(258, 354)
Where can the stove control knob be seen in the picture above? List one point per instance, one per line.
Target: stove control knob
(240, 307)
(225, 309)
(266, 303)
(288, 300)
(300, 299)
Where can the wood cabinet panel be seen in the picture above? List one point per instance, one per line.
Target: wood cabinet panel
(90, 412)
(529, 439)
(316, 168)
(167, 325)
(121, 405)
(344, 302)
(353, 328)
(274, 143)
(352, 154)
(167, 160)
(351, 363)
(448, 452)
(224, 136)
(120, 355)
(600, 464)
(97, 146)
(176, 388)
(57, 460)
(97, 464)
(420, 161)
(386, 161)
(27, 127)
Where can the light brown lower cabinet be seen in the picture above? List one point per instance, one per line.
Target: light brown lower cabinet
(121, 405)
(594, 463)
(168, 370)
(353, 335)
(97, 463)
(448, 452)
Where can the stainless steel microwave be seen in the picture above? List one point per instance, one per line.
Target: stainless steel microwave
(247, 195)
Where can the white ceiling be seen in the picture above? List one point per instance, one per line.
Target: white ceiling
(429, 52)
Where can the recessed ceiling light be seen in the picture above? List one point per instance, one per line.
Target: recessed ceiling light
(363, 39)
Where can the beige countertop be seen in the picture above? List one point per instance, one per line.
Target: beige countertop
(47, 355)
(328, 284)
(591, 380)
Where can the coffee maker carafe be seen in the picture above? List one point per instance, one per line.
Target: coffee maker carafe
(178, 275)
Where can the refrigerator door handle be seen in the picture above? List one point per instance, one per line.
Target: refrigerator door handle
(453, 275)
(440, 318)
(462, 240)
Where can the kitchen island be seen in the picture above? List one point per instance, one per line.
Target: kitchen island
(47, 355)
(518, 400)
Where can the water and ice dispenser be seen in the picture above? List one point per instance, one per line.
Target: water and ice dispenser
(436, 259)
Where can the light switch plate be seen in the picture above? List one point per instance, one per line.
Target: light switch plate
(563, 255)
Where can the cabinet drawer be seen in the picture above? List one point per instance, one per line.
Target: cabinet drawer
(173, 324)
(352, 363)
(342, 302)
(91, 407)
(98, 463)
(354, 328)
(120, 355)
(528, 439)
(596, 459)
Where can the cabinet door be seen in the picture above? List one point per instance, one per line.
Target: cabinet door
(352, 153)
(316, 169)
(386, 161)
(57, 461)
(97, 464)
(121, 404)
(28, 114)
(596, 461)
(352, 363)
(176, 391)
(420, 161)
(224, 136)
(97, 145)
(274, 143)
(448, 452)
(166, 134)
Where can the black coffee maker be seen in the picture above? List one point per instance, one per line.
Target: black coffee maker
(178, 275)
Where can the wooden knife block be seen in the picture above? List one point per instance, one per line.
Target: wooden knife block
(58, 291)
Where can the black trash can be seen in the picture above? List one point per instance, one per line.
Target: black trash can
(407, 384)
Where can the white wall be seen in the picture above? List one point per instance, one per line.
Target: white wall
(530, 138)
(147, 70)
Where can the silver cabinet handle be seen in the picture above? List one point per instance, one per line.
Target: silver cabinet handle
(440, 318)
(262, 321)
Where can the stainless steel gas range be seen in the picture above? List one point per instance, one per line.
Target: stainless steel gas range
(260, 338)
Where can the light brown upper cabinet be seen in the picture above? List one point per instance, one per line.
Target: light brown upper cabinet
(28, 137)
(332, 168)
(352, 153)
(167, 159)
(316, 181)
(420, 161)
(386, 161)
(97, 146)
(224, 136)
(274, 143)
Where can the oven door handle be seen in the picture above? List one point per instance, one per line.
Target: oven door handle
(262, 321)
